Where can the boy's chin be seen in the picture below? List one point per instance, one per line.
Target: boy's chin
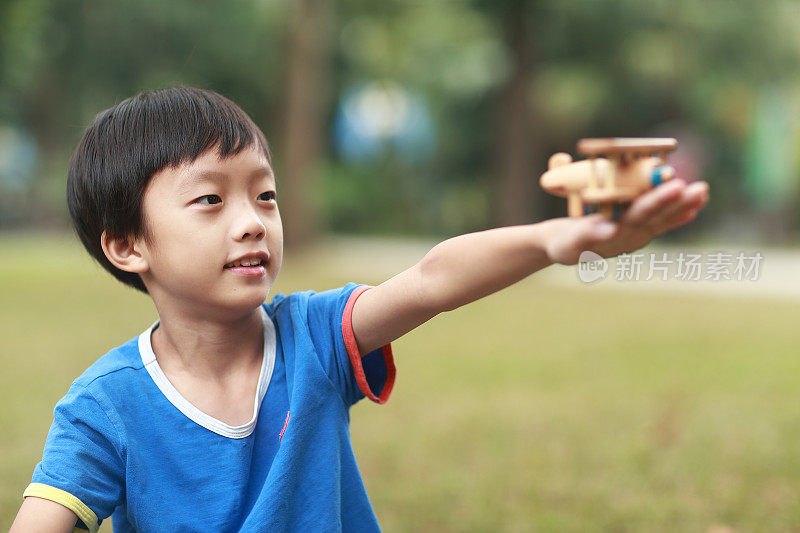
(240, 297)
(249, 299)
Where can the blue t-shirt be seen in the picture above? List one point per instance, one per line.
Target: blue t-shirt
(125, 443)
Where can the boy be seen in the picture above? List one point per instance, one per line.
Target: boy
(228, 413)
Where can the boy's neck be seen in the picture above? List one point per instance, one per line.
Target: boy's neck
(208, 349)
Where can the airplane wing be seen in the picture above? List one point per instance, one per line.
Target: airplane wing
(626, 146)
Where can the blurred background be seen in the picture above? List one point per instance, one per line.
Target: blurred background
(396, 124)
(423, 118)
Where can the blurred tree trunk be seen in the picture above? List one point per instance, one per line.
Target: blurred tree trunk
(515, 143)
(302, 142)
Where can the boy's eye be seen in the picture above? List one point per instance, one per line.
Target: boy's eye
(267, 196)
(209, 199)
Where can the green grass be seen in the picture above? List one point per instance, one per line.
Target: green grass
(534, 409)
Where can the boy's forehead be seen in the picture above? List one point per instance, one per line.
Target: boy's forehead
(213, 160)
(248, 164)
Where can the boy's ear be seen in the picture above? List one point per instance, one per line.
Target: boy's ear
(124, 253)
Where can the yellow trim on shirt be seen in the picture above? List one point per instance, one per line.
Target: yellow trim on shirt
(46, 492)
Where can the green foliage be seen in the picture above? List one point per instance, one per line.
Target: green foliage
(617, 67)
(73, 59)
(377, 199)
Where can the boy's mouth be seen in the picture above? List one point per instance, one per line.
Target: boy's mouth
(251, 265)
(250, 262)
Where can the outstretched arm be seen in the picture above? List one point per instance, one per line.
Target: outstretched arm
(468, 267)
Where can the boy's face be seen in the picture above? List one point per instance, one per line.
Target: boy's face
(203, 218)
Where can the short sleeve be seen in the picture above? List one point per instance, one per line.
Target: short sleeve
(371, 375)
(81, 465)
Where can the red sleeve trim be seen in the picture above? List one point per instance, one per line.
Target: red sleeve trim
(355, 356)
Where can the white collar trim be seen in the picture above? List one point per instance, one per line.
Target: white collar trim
(192, 412)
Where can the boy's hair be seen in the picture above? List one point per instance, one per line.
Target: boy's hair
(128, 143)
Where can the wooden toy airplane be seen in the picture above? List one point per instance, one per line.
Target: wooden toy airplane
(616, 171)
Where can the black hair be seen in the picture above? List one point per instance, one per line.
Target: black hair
(128, 143)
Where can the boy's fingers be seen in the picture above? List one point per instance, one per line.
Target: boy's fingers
(658, 216)
(649, 204)
(652, 214)
(685, 218)
(693, 197)
(697, 198)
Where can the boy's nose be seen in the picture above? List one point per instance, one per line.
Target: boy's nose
(258, 235)
(249, 226)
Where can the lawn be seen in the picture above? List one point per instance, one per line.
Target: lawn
(539, 408)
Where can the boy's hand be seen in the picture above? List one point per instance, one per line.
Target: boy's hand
(666, 207)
